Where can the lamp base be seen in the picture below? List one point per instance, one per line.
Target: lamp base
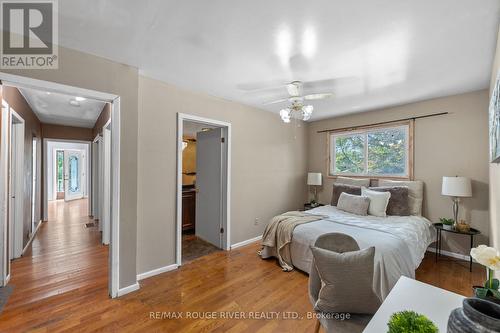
(456, 202)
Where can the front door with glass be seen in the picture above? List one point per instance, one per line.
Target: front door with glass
(73, 168)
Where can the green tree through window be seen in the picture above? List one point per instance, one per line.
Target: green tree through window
(378, 152)
(60, 170)
(349, 154)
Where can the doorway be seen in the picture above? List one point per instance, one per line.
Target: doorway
(76, 185)
(203, 178)
(16, 176)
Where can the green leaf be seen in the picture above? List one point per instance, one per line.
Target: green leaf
(494, 284)
(495, 293)
(481, 292)
(410, 321)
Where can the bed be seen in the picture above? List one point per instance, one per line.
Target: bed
(400, 242)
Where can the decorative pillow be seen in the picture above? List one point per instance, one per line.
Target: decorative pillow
(398, 202)
(353, 181)
(354, 204)
(378, 201)
(338, 189)
(415, 193)
(346, 281)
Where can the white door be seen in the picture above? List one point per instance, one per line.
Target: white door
(73, 185)
(34, 185)
(12, 189)
(4, 174)
(106, 181)
(209, 178)
(16, 209)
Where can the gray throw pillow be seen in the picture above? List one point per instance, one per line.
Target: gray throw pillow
(354, 204)
(338, 189)
(399, 204)
(346, 281)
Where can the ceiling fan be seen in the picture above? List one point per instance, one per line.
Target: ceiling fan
(298, 109)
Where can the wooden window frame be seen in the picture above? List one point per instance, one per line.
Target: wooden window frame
(411, 127)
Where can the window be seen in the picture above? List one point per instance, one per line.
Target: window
(376, 151)
(59, 168)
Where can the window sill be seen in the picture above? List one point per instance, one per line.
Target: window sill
(370, 177)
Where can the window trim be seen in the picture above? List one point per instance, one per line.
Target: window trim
(409, 124)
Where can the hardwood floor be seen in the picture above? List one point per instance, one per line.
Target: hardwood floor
(62, 287)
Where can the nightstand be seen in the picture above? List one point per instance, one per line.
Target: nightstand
(471, 233)
(308, 206)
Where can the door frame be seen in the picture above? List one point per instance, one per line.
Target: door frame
(45, 174)
(106, 171)
(114, 100)
(16, 235)
(4, 194)
(226, 213)
(95, 174)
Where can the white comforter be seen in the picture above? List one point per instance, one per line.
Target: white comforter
(400, 242)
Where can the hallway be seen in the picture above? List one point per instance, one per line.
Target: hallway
(65, 260)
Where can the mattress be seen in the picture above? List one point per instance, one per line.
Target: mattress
(400, 242)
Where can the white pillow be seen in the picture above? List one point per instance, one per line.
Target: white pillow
(378, 201)
(415, 193)
(353, 181)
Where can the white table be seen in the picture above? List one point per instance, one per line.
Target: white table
(408, 294)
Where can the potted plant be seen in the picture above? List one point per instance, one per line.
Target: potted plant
(488, 257)
(410, 321)
(447, 223)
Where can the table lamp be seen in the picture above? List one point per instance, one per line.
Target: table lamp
(314, 180)
(456, 187)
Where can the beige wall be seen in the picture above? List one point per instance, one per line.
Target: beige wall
(103, 118)
(268, 167)
(454, 144)
(51, 131)
(495, 171)
(91, 72)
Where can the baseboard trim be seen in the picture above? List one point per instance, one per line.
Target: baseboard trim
(451, 254)
(156, 271)
(246, 242)
(32, 237)
(129, 289)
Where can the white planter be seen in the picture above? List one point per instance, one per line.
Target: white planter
(448, 226)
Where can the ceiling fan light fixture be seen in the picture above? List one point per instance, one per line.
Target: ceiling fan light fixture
(307, 112)
(285, 115)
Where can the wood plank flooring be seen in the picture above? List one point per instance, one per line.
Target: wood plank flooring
(61, 286)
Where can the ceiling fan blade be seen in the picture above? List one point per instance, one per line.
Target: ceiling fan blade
(294, 88)
(329, 83)
(255, 86)
(311, 97)
(276, 101)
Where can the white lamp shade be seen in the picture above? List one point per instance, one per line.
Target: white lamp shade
(314, 178)
(456, 187)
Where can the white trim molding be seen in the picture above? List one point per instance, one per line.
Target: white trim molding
(39, 224)
(156, 271)
(27, 82)
(246, 242)
(129, 289)
(451, 254)
(181, 117)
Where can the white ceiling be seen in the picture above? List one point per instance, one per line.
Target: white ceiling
(54, 108)
(393, 51)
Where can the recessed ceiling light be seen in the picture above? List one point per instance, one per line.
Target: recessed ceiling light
(79, 99)
(74, 103)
